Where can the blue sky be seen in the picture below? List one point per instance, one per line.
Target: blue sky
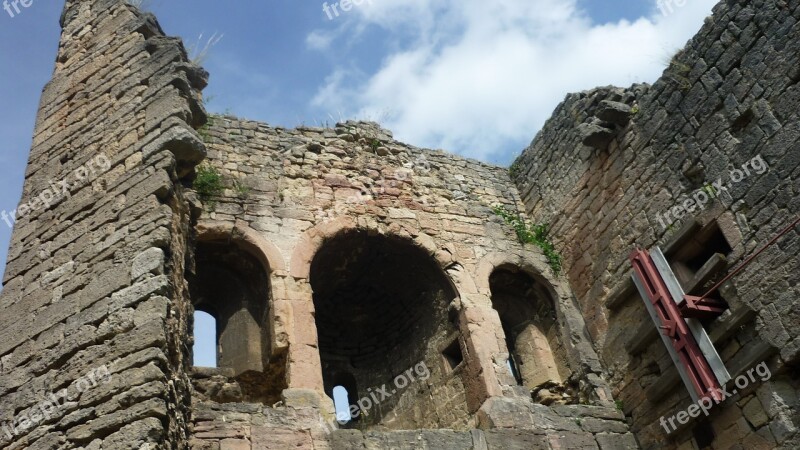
(474, 77)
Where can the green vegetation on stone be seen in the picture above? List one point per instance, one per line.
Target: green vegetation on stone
(208, 183)
(532, 234)
(513, 171)
(242, 191)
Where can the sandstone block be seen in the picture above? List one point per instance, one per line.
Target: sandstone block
(149, 261)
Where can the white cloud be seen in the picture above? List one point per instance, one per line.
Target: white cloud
(319, 41)
(482, 76)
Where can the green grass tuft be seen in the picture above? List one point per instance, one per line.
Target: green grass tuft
(537, 234)
(208, 183)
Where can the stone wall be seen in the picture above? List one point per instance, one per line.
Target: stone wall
(92, 301)
(613, 169)
(248, 426)
(103, 277)
(321, 207)
(101, 283)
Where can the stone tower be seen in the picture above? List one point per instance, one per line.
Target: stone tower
(339, 258)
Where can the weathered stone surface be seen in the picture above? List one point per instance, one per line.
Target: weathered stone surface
(595, 135)
(275, 439)
(614, 112)
(616, 441)
(106, 277)
(347, 440)
(515, 440)
(84, 257)
(714, 117)
(150, 261)
(572, 441)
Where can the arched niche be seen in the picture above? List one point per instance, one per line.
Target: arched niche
(230, 280)
(530, 325)
(382, 316)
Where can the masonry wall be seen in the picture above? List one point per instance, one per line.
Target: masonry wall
(96, 305)
(608, 177)
(290, 193)
(91, 304)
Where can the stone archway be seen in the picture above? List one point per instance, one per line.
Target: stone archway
(382, 308)
(532, 334)
(231, 280)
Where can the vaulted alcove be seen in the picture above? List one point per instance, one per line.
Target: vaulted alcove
(527, 314)
(382, 313)
(232, 286)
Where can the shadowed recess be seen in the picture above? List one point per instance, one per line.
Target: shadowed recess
(381, 307)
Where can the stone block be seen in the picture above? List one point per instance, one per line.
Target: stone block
(234, 444)
(150, 261)
(572, 441)
(616, 441)
(754, 413)
(301, 398)
(347, 440)
(280, 439)
(595, 136)
(221, 430)
(614, 112)
(593, 425)
(515, 440)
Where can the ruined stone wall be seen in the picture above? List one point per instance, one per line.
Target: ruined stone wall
(613, 169)
(91, 304)
(102, 278)
(563, 427)
(290, 193)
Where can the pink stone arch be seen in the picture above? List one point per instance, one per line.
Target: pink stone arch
(527, 261)
(571, 322)
(311, 241)
(245, 237)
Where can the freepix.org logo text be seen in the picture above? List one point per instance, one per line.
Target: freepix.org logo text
(14, 7)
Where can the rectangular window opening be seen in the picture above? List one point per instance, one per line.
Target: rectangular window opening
(703, 435)
(452, 355)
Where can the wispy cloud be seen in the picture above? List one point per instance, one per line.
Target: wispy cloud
(481, 77)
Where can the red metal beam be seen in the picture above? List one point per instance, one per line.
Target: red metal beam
(673, 326)
(701, 307)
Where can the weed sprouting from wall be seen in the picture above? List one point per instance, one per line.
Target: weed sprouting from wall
(198, 52)
(242, 190)
(208, 184)
(204, 130)
(537, 234)
(678, 71)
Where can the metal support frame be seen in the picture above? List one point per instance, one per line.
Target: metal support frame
(701, 307)
(692, 352)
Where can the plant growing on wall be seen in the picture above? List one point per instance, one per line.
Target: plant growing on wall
(242, 190)
(203, 131)
(208, 183)
(678, 72)
(514, 170)
(198, 52)
(537, 234)
(374, 144)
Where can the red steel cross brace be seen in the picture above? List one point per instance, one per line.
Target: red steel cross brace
(674, 326)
